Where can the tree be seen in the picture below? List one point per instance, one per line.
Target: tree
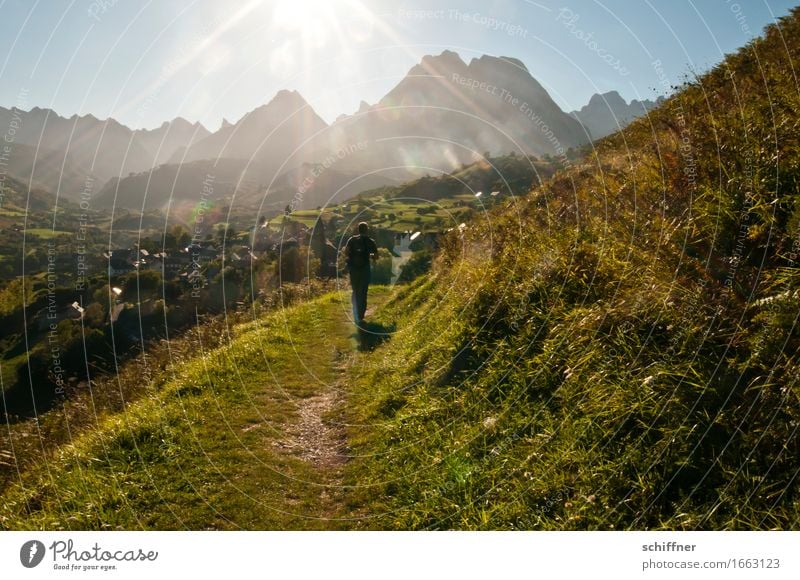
(159, 310)
(324, 252)
(382, 268)
(168, 241)
(291, 266)
(333, 224)
(318, 239)
(225, 233)
(94, 315)
(141, 283)
(180, 237)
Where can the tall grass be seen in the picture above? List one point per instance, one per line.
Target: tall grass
(619, 350)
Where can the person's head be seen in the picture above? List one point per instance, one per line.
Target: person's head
(363, 228)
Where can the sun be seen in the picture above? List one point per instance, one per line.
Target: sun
(318, 24)
(303, 14)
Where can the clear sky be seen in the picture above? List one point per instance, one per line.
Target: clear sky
(144, 62)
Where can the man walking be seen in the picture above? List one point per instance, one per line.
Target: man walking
(359, 250)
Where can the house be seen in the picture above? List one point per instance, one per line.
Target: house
(176, 263)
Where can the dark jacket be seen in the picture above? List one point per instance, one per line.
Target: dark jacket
(358, 251)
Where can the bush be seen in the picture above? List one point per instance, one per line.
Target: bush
(418, 264)
(382, 268)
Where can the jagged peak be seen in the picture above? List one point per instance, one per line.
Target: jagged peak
(288, 95)
(283, 98)
(285, 103)
(446, 56)
(488, 60)
(610, 99)
(176, 123)
(88, 116)
(611, 96)
(436, 64)
(181, 121)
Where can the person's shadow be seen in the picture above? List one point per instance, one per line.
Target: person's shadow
(370, 335)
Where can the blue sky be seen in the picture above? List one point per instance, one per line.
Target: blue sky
(146, 62)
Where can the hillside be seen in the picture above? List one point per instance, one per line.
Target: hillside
(434, 203)
(228, 440)
(46, 170)
(619, 349)
(168, 184)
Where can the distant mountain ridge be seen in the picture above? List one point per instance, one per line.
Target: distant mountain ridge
(242, 159)
(608, 113)
(86, 146)
(442, 114)
(446, 112)
(262, 135)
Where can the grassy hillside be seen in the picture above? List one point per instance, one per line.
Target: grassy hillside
(621, 349)
(432, 204)
(617, 350)
(245, 435)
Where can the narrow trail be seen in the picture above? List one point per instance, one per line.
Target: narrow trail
(314, 438)
(316, 434)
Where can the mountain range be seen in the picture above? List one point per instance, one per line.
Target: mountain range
(444, 113)
(609, 112)
(58, 153)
